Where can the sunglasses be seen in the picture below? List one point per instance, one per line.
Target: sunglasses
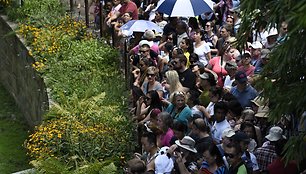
(152, 75)
(143, 51)
(229, 155)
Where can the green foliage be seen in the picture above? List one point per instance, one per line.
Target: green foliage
(283, 79)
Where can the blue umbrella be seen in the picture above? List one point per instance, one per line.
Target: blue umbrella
(140, 26)
(185, 8)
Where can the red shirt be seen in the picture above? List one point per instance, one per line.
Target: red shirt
(278, 167)
(129, 7)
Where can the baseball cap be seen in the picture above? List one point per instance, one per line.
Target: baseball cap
(241, 136)
(228, 132)
(241, 77)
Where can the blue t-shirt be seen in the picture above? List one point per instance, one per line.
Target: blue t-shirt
(244, 97)
(181, 116)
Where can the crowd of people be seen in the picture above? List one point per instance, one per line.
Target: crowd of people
(194, 96)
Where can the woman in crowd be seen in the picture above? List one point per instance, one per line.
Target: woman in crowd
(201, 48)
(213, 162)
(172, 82)
(178, 108)
(164, 123)
(187, 46)
(145, 104)
(211, 38)
(151, 83)
(249, 129)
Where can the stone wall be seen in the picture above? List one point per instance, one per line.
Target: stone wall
(18, 76)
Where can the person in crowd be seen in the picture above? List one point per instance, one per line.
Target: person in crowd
(170, 28)
(146, 104)
(159, 20)
(149, 36)
(225, 32)
(200, 129)
(248, 116)
(201, 48)
(187, 46)
(184, 153)
(172, 83)
(256, 53)
(248, 157)
(127, 6)
(194, 104)
(179, 130)
(264, 59)
(140, 73)
(220, 123)
(165, 58)
(243, 91)
(227, 135)
(207, 80)
(211, 38)
(135, 166)
(206, 17)
(181, 32)
(234, 114)
(246, 65)
(193, 26)
(164, 123)
(167, 39)
(151, 83)
(266, 153)
(213, 162)
(283, 32)
(230, 20)
(249, 129)
(186, 76)
(279, 166)
(217, 64)
(233, 155)
(178, 108)
(148, 142)
(215, 94)
(231, 69)
(149, 12)
(271, 38)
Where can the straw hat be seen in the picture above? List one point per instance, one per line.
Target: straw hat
(187, 143)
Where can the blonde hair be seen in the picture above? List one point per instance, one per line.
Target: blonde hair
(173, 80)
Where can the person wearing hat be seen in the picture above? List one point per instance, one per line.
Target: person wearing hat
(184, 152)
(246, 65)
(148, 36)
(264, 59)
(231, 68)
(255, 52)
(243, 91)
(271, 38)
(266, 153)
(249, 158)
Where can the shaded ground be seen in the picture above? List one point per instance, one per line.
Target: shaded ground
(13, 132)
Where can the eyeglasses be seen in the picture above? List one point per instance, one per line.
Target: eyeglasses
(150, 75)
(143, 51)
(229, 155)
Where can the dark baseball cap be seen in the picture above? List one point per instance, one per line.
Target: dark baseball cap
(241, 77)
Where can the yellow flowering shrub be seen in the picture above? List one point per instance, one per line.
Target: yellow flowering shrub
(46, 41)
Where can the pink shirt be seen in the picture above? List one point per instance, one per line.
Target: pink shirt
(165, 138)
(218, 69)
(129, 7)
(248, 71)
(154, 47)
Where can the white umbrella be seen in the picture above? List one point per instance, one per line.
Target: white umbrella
(140, 26)
(185, 8)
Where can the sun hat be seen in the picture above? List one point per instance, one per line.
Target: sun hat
(256, 45)
(228, 132)
(272, 32)
(145, 42)
(163, 164)
(241, 77)
(187, 143)
(275, 134)
(262, 112)
(149, 34)
(265, 53)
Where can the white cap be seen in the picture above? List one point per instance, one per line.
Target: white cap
(272, 32)
(256, 45)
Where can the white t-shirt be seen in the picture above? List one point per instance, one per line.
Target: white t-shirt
(210, 108)
(201, 51)
(228, 82)
(217, 130)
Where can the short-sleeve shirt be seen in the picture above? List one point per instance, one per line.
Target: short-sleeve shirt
(187, 79)
(181, 116)
(157, 87)
(218, 69)
(244, 97)
(201, 51)
(129, 7)
(166, 138)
